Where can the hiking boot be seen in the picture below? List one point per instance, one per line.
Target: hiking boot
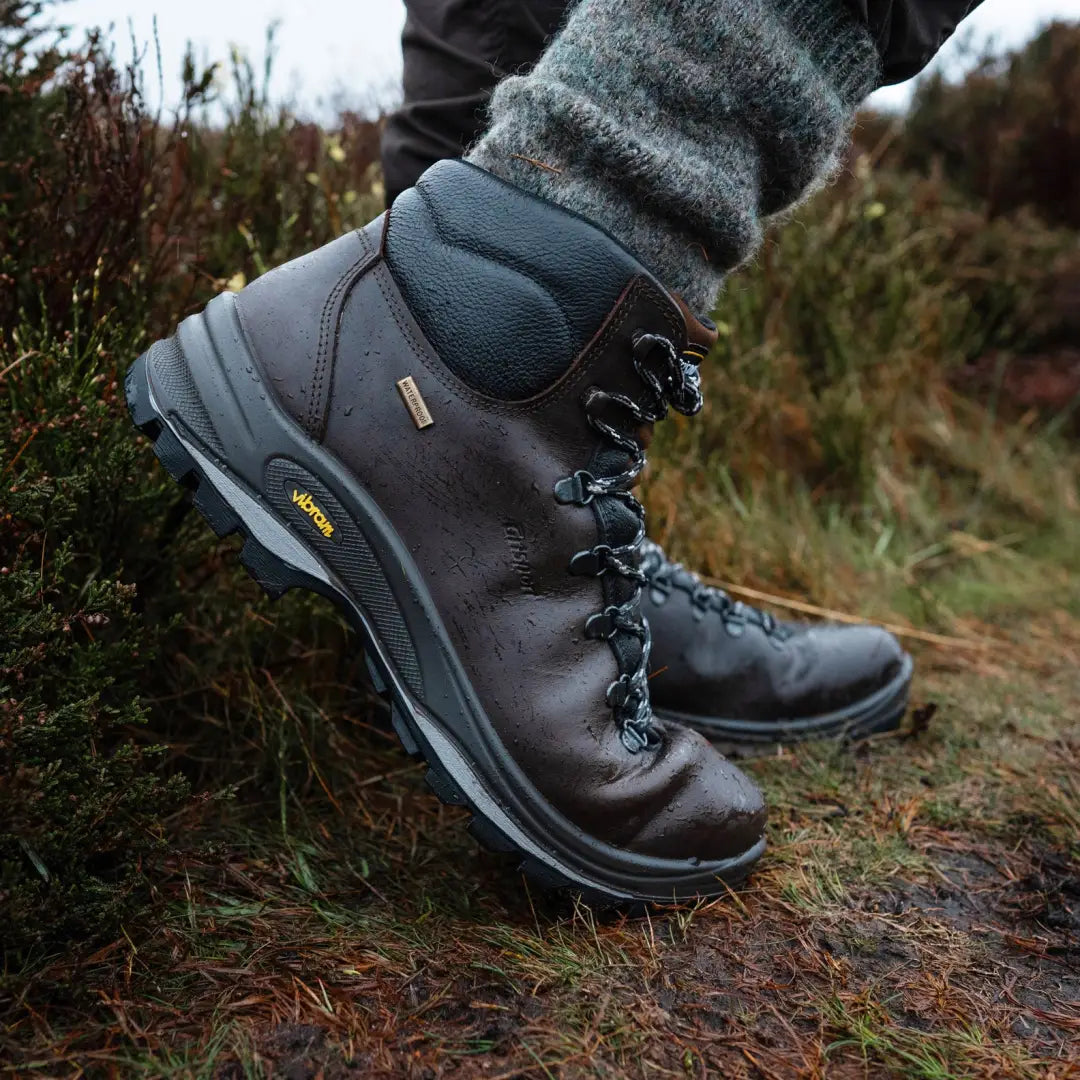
(749, 681)
(435, 421)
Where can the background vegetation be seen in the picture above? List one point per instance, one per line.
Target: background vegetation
(212, 859)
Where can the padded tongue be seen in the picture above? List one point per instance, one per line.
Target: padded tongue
(508, 288)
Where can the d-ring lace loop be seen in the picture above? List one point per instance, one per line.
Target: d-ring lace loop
(671, 379)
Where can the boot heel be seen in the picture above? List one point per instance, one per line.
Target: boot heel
(223, 503)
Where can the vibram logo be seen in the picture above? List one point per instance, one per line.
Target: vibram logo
(306, 504)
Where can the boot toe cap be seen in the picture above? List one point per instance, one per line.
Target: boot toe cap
(715, 811)
(843, 665)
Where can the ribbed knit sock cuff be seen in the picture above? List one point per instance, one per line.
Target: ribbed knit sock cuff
(680, 126)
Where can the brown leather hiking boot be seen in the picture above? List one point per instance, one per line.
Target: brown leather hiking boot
(749, 681)
(435, 421)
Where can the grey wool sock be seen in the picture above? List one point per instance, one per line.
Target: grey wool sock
(681, 126)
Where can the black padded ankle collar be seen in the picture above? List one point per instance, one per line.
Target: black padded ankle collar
(508, 288)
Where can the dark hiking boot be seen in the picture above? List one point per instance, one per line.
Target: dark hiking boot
(435, 421)
(748, 681)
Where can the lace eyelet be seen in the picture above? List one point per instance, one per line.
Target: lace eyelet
(592, 562)
(603, 625)
(644, 343)
(575, 490)
(618, 692)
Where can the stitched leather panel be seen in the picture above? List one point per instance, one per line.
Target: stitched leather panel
(507, 288)
(291, 316)
(473, 495)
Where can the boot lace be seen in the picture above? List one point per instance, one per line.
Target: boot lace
(671, 379)
(663, 576)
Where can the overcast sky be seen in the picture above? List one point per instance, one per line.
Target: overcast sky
(348, 49)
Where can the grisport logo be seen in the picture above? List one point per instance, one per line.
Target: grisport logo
(307, 505)
(519, 558)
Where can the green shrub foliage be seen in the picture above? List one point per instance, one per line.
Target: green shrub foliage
(1010, 133)
(83, 800)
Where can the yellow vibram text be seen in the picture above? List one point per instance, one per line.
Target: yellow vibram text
(303, 501)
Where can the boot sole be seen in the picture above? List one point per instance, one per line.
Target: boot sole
(217, 429)
(877, 713)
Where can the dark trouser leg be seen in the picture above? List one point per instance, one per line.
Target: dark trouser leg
(455, 53)
(908, 33)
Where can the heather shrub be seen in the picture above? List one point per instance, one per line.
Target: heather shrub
(84, 800)
(106, 207)
(1009, 132)
(114, 225)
